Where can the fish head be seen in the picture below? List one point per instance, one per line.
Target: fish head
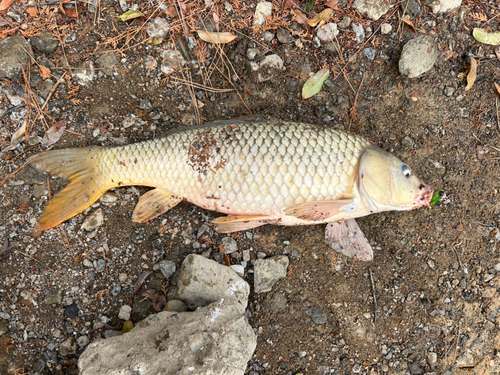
(387, 184)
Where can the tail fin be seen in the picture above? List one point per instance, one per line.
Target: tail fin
(84, 188)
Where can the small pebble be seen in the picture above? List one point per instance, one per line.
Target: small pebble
(385, 28)
(124, 313)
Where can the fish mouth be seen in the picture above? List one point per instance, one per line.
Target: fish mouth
(424, 196)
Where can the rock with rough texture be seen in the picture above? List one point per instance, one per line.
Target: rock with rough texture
(442, 6)
(272, 61)
(213, 340)
(268, 272)
(93, 221)
(15, 52)
(262, 10)
(373, 9)
(418, 56)
(202, 281)
(385, 28)
(85, 73)
(284, 36)
(166, 267)
(45, 42)
(68, 347)
(359, 30)
(109, 63)
(158, 28)
(328, 32)
(124, 312)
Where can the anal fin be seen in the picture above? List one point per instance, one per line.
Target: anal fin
(319, 210)
(347, 238)
(230, 224)
(154, 203)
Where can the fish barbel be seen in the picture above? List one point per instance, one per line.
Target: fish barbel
(255, 172)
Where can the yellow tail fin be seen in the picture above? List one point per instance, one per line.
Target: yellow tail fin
(84, 188)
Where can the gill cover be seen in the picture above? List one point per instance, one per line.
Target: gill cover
(385, 182)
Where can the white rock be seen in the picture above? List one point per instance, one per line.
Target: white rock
(124, 313)
(272, 61)
(202, 281)
(373, 9)
(95, 220)
(215, 339)
(385, 28)
(442, 6)
(239, 269)
(85, 73)
(418, 56)
(328, 32)
(262, 10)
(158, 28)
(172, 61)
(268, 272)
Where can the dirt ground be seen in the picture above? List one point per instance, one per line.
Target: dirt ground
(436, 272)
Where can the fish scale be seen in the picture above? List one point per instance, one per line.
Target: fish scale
(246, 168)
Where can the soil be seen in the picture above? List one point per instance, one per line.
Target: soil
(435, 272)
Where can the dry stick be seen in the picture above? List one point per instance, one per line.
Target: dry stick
(374, 298)
(353, 109)
(199, 86)
(498, 120)
(190, 89)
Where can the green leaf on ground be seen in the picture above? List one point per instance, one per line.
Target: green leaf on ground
(130, 15)
(314, 84)
(485, 37)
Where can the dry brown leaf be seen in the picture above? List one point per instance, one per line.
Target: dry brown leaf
(31, 11)
(215, 37)
(408, 22)
(45, 72)
(471, 77)
(171, 12)
(5, 4)
(332, 3)
(299, 16)
(72, 13)
(497, 87)
(323, 16)
(291, 3)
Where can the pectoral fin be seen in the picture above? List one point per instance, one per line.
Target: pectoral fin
(319, 210)
(152, 204)
(347, 238)
(230, 224)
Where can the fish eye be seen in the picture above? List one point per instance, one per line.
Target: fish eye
(406, 170)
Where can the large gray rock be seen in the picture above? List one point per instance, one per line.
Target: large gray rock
(213, 340)
(442, 6)
(268, 272)
(373, 9)
(418, 56)
(202, 281)
(15, 52)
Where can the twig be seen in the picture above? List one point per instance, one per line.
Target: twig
(498, 120)
(374, 298)
(353, 109)
(199, 86)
